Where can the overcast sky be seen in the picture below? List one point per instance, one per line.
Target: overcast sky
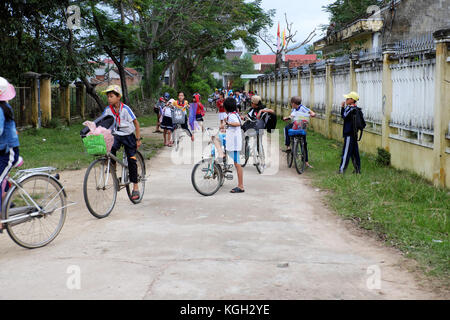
(304, 14)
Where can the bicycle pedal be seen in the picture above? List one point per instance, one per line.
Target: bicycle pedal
(229, 176)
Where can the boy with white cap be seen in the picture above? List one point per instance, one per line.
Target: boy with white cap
(125, 126)
(9, 140)
(350, 149)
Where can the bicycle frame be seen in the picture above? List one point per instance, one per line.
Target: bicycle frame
(20, 176)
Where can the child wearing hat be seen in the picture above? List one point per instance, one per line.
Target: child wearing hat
(125, 126)
(350, 149)
(9, 140)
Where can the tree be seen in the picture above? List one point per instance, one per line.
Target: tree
(343, 12)
(284, 47)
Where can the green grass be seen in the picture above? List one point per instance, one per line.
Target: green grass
(402, 208)
(63, 148)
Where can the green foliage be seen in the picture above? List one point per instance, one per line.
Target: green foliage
(170, 90)
(343, 12)
(383, 157)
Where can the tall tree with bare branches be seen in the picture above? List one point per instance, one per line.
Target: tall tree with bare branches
(284, 47)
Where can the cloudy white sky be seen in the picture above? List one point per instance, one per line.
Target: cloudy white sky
(304, 14)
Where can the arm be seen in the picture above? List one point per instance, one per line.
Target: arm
(312, 114)
(2, 121)
(138, 133)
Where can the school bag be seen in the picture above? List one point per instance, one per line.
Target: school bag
(178, 116)
(358, 122)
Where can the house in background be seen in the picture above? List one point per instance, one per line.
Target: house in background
(267, 61)
(107, 74)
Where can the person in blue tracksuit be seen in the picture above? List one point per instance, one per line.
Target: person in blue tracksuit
(350, 149)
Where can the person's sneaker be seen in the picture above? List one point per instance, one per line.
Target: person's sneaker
(19, 162)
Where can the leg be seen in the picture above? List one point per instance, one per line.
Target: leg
(130, 150)
(287, 139)
(356, 158)
(305, 144)
(346, 154)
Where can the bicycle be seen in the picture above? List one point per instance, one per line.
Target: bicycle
(101, 183)
(298, 150)
(256, 149)
(208, 175)
(34, 208)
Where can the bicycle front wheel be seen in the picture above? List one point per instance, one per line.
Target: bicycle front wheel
(207, 177)
(100, 188)
(141, 179)
(246, 152)
(35, 227)
(299, 156)
(260, 162)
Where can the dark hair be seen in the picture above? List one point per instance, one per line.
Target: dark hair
(7, 111)
(297, 100)
(230, 105)
(221, 94)
(115, 93)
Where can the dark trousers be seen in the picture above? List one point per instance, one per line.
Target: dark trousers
(130, 146)
(7, 161)
(350, 150)
(287, 140)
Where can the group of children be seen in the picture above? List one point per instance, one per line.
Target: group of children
(126, 129)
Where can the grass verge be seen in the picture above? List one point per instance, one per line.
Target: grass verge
(402, 208)
(62, 147)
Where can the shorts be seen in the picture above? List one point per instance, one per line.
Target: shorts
(198, 117)
(222, 115)
(235, 155)
(166, 123)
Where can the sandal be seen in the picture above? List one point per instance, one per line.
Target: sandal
(135, 195)
(237, 190)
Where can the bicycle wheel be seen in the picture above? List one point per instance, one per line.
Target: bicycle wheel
(100, 188)
(41, 228)
(141, 179)
(246, 152)
(299, 155)
(207, 177)
(260, 157)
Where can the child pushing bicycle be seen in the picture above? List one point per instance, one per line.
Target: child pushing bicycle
(123, 131)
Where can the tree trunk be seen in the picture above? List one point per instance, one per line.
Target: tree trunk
(279, 61)
(91, 91)
(148, 73)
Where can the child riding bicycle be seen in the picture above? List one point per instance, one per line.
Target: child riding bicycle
(124, 127)
(299, 113)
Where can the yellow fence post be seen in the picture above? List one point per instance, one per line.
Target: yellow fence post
(388, 51)
(46, 99)
(441, 107)
(329, 95)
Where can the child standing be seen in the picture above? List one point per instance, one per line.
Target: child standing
(234, 140)
(219, 104)
(9, 140)
(124, 127)
(166, 122)
(350, 149)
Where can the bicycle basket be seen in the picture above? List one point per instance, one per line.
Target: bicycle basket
(95, 145)
(178, 116)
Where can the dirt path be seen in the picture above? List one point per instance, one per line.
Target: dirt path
(275, 241)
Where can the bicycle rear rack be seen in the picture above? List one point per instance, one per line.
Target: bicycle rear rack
(24, 172)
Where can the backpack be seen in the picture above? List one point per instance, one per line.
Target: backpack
(105, 121)
(358, 122)
(178, 116)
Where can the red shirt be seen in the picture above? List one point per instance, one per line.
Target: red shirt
(200, 108)
(220, 106)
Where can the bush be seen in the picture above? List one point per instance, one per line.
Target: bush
(170, 90)
(383, 158)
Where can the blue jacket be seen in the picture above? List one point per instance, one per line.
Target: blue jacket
(347, 113)
(8, 132)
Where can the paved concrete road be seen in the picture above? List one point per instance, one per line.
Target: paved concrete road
(275, 241)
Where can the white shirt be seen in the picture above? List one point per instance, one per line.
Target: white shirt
(234, 134)
(167, 111)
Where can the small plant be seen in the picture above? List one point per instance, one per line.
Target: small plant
(383, 157)
(53, 123)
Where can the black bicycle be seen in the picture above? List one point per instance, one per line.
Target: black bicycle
(252, 145)
(297, 154)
